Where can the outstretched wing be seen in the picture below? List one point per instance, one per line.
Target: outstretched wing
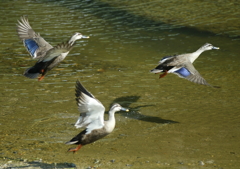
(34, 43)
(91, 110)
(189, 72)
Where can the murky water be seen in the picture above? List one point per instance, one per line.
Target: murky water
(173, 123)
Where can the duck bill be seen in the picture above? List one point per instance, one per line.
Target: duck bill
(83, 36)
(215, 47)
(124, 109)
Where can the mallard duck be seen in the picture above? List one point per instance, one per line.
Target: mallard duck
(47, 55)
(182, 66)
(92, 118)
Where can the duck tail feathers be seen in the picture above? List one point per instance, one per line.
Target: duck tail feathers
(78, 138)
(31, 73)
(155, 71)
(161, 68)
(71, 142)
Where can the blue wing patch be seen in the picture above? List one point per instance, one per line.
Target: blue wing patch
(31, 46)
(183, 72)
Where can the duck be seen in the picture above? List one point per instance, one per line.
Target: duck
(92, 118)
(46, 55)
(182, 65)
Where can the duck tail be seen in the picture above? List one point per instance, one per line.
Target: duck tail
(78, 138)
(36, 70)
(158, 69)
(72, 142)
(155, 70)
(161, 68)
(31, 73)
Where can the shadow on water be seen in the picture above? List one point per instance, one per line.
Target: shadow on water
(134, 112)
(20, 163)
(55, 165)
(107, 12)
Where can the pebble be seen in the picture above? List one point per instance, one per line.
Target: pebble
(166, 164)
(210, 161)
(201, 163)
(96, 161)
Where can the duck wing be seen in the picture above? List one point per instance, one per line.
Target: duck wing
(49, 61)
(178, 60)
(61, 49)
(163, 64)
(34, 43)
(189, 72)
(91, 110)
(165, 58)
(170, 64)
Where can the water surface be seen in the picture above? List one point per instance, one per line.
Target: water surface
(172, 122)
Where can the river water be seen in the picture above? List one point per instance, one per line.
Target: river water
(172, 122)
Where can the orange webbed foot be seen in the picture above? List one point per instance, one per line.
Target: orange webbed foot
(75, 149)
(163, 75)
(40, 78)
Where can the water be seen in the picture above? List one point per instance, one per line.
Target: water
(172, 122)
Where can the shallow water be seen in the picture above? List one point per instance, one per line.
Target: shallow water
(172, 122)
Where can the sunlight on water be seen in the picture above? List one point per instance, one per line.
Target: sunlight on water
(171, 120)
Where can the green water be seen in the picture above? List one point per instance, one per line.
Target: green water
(172, 122)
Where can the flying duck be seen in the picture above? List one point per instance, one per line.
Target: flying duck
(182, 65)
(47, 55)
(92, 118)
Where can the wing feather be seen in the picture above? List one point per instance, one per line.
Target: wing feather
(38, 46)
(56, 51)
(91, 110)
(189, 72)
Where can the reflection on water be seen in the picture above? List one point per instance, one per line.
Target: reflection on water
(172, 121)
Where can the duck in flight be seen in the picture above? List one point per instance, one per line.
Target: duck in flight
(182, 65)
(92, 118)
(47, 55)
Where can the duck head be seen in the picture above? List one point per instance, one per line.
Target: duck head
(208, 46)
(117, 107)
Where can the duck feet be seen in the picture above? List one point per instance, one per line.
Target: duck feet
(42, 76)
(75, 149)
(164, 74)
